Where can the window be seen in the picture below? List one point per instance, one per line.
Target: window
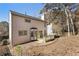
(22, 33)
(45, 33)
(41, 34)
(27, 20)
(25, 32)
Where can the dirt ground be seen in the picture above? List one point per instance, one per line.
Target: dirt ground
(4, 50)
(63, 46)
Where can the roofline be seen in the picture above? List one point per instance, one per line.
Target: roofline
(23, 15)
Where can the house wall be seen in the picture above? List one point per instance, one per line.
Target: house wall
(49, 29)
(38, 24)
(18, 23)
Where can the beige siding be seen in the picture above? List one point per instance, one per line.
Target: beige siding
(18, 23)
(38, 24)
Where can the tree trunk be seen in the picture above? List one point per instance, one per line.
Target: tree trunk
(72, 24)
(67, 22)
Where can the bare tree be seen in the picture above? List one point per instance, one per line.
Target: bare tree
(60, 14)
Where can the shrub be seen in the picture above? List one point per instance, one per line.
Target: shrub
(18, 50)
(4, 42)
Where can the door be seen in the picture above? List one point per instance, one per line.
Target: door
(33, 33)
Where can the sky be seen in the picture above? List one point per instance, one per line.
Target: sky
(32, 9)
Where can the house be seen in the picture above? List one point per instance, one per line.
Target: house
(49, 27)
(24, 28)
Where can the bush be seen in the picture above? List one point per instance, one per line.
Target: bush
(5, 42)
(0, 38)
(5, 37)
(18, 50)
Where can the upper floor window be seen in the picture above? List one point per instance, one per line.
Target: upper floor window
(27, 20)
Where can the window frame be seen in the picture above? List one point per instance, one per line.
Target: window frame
(27, 20)
(22, 32)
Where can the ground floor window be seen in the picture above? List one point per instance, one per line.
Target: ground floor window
(45, 33)
(22, 32)
(41, 34)
(25, 32)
